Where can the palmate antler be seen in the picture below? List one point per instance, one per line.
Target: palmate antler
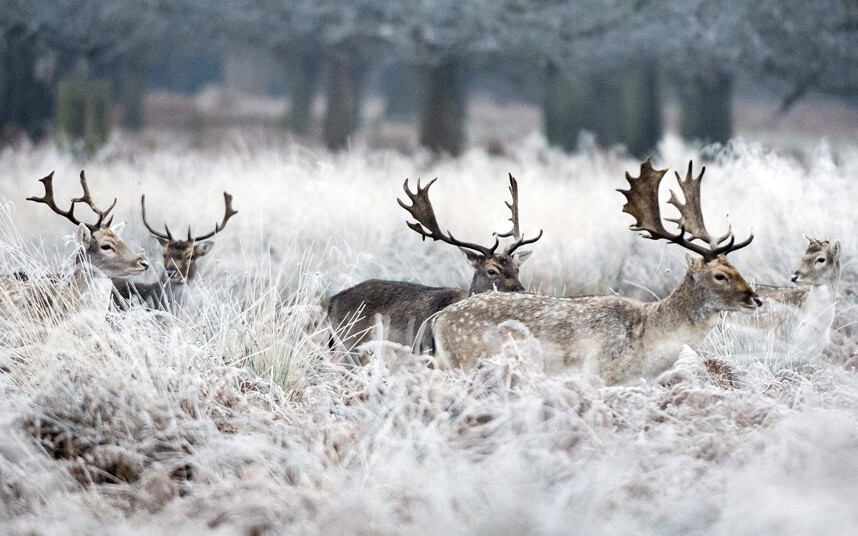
(427, 224)
(228, 213)
(86, 198)
(691, 216)
(642, 204)
(515, 232)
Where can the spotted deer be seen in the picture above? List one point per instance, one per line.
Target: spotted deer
(401, 307)
(615, 337)
(180, 264)
(101, 255)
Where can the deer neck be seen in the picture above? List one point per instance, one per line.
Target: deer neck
(90, 283)
(473, 288)
(684, 317)
(821, 299)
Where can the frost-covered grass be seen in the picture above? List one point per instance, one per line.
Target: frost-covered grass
(233, 418)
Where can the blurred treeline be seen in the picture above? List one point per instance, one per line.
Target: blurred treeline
(74, 68)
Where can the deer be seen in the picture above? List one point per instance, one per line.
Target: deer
(813, 297)
(180, 264)
(101, 255)
(614, 337)
(403, 307)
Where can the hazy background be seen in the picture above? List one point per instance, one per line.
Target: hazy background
(233, 417)
(441, 74)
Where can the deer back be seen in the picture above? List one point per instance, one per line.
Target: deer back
(401, 307)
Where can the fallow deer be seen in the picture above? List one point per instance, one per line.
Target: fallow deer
(403, 307)
(180, 264)
(811, 302)
(615, 337)
(102, 255)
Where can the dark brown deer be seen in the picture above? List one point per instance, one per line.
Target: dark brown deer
(615, 337)
(180, 264)
(400, 307)
(102, 255)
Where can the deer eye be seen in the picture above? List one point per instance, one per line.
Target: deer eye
(492, 272)
(720, 277)
(106, 247)
(820, 260)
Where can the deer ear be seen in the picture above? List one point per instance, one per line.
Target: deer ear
(84, 235)
(203, 248)
(117, 229)
(695, 263)
(521, 256)
(473, 257)
(835, 249)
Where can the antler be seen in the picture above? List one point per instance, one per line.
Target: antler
(691, 215)
(427, 224)
(227, 214)
(642, 204)
(168, 237)
(86, 198)
(515, 232)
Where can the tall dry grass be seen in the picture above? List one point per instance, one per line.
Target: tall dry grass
(232, 417)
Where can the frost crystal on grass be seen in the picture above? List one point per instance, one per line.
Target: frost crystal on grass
(234, 417)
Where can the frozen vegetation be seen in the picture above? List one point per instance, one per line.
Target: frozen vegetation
(233, 417)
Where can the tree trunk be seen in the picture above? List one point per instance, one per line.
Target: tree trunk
(83, 113)
(576, 103)
(304, 72)
(442, 107)
(705, 106)
(132, 89)
(641, 109)
(401, 91)
(25, 104)
(343, 101)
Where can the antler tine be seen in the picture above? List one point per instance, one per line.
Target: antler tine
(691, 213)
(515, 232)
(87, 198)
(642, 205)
(228, 213)
(48, 199)
(521, 242)
(427, 223)
(152, 231)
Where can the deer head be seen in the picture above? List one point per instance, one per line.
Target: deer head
(492, 269)
(711, 272)
(820, 264)
(100, 243)
(180, 256)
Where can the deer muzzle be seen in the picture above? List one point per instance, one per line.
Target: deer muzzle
(752, 301)
(513, 285)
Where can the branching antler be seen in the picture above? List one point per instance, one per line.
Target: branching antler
(227, 214)
(427, 224)
(48, 199)
(642, 204)
(691, 216)
(515, 232)
(168, 237)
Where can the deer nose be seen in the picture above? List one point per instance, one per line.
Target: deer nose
(144, 264)
(794, 278)
(513, 285)
(758, 301)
